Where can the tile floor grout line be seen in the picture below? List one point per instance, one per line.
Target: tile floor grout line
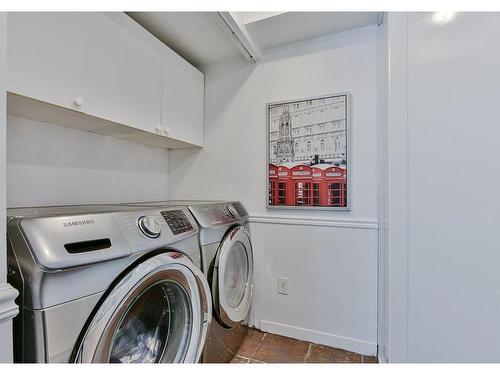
(308, 353)
(338, 355)
(256, 360)
(247, 360)
(258, 346)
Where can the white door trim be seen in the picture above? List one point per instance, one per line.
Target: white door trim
(8, 308)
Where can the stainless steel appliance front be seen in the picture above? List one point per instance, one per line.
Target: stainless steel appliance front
(85, 274)
(227, 260)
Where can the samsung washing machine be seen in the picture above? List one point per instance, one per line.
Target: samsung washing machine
(227, 261)
(107, 284)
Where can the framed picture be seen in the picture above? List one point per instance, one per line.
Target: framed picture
(308, 153)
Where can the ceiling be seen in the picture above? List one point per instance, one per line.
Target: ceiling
(196, 36)
(294, 27)
(200, 38)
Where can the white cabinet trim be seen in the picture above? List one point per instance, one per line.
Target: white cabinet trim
(8, 308)
(362, 223)
(22, 106)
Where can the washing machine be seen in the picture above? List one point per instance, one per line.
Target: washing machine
(107, 284)
(227, 261)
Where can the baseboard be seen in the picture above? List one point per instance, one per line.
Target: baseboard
(382, 359)
(346, 343)
(8, 308)
(381, 355)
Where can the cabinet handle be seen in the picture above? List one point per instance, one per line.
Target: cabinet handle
(79, 101)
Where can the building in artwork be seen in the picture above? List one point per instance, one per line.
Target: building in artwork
(310, 131)
(284, 143)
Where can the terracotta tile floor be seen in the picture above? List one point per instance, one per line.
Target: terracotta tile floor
(261, 347)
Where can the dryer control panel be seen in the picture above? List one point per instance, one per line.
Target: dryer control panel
(219, 213)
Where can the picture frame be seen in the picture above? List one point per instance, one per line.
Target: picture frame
(308, 153)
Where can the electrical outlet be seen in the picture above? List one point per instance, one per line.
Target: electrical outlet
(282, 285)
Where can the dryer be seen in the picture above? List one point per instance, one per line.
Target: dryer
(107, 284)
(227, 261)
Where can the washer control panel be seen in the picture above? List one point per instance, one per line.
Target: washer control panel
(177, 221)
(151, 228)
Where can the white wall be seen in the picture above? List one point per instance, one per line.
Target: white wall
(449, 203)
(3, 126)
(454, 250)
(52, 165)
(329, 258)
(8, 308)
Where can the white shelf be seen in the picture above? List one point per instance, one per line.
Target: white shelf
(22, 106)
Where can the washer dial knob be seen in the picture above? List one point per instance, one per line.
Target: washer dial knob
(149, 226)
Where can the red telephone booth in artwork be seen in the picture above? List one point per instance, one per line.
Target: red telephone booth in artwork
(301, 185)
(329, 186)
(336, 186)
(284, 194)
(273, 184)
(320, 188)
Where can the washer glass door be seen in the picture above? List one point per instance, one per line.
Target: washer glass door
(155, 313)
(232, 281)
(156, 328)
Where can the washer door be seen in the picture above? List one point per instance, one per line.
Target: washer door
(232, 278)
(158, 312)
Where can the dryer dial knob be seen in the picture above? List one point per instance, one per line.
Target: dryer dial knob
(231, 211)
(149, 226)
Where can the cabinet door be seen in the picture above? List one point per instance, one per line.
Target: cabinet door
(183, 102)
(45, 56)
(123, 76)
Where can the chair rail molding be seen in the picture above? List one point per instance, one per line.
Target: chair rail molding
(8, 308)
(362, 223)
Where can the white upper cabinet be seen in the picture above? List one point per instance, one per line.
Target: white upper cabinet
(123, 77)
(46, 56)
(120, 79)
(183, 102)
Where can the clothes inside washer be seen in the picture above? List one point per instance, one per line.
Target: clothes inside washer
(143, 332)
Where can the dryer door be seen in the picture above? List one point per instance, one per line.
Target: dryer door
(157, 312)
(232, 278)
